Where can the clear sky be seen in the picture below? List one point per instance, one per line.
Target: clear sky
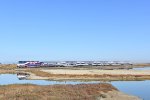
(75, 30)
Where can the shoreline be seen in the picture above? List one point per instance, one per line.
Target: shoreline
(73, 74)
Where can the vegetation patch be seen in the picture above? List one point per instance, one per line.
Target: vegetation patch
(107, 77)
(8, 69)
(54, 92)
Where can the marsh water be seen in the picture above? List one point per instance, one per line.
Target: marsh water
(6, 79)
(144, 68)
(136, 88)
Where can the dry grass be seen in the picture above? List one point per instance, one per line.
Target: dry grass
(38, 72)
(142, 65)
(7, 69)
(107, 77)
(8, 66)
(54, 92)
(7, 72)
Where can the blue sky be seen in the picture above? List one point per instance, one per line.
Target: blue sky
(75, 30)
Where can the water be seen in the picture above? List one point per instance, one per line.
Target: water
(6, 79)
(144, 68)
(137, 88)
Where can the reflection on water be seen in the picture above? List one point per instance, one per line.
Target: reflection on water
(137, 88)
(6, 79)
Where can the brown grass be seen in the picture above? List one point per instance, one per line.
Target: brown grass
(8, 66)
(7, 69)
(7, 72)
(54, 92)
(142, 65)
(37, 72)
